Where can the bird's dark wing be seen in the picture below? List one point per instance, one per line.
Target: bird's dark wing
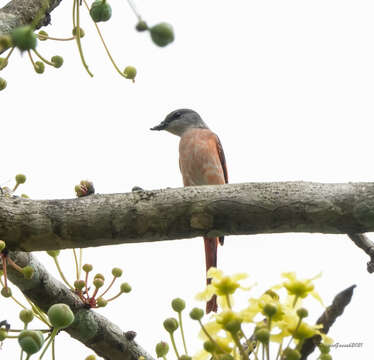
(221, 155)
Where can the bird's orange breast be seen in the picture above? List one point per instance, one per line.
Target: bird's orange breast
(199, 160)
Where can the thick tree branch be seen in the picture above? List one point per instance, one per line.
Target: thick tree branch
(90, 328)
(235, 209)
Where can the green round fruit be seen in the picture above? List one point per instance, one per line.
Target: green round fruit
(24, 38)
(39, 67)
(141, 26)
(53, 253)
(178, 305)
(81, 32)
(42, 35)
(125, 288)
(28, 272)
(162, 348)
(130, 72)
(57, 61)
(162, 34)
(30, 341)
(60, 316)
(6, 292)
(100, 11)
(26, 316)
(20, 178)
(171, 325)
(196, 314)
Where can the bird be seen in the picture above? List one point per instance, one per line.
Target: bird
(201, 162)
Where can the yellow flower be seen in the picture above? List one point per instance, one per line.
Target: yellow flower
(300, 288)
(202, 355)
(212, 327)
(291, 325)
(257, 306)
(221, 285)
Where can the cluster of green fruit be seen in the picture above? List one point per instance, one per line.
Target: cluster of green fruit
(31, 341)
(25, 39)
(162, 34)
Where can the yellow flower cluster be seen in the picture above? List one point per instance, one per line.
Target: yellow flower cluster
(248, 333)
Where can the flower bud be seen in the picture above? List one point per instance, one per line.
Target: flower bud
(141, 26)
(269, 310)
(130, 72)
(98, 283)
(100, 11)
(178, 305)
(42, 35)
(57, 61)
(81, 32)
(79, 284)
(99, 276)
(30, 341)
(3, 83)
(24, 38)
(87, 267)
(171, 325)
(233, 326)
(2, 245)
(291, 354)
(125, 288)
(20, 178)
(53, 253)
(26, 316)
(196, 314)
(39, 67)
(162, 348)
(6, 292)
(162, 34)
(262, 335)
(3, 334)
(302, 313)
(101, 302)
(28, 272)
(209, 346)
(60, 316)
(117, 272)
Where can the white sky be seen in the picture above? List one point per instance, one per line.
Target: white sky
(287, 86)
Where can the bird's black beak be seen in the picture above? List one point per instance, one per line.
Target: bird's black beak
(161, 126)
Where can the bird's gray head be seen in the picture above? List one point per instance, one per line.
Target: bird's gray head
(178, 121)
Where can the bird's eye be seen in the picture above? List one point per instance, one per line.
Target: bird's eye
(177, 115)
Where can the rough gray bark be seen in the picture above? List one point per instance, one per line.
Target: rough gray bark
(90, 328)
(22, 12)
(234, 209)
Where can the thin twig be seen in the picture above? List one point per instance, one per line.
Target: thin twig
(364, 243)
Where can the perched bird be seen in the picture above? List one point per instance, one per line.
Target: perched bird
(201, 162)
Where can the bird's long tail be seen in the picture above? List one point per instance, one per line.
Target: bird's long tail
(211, 260)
